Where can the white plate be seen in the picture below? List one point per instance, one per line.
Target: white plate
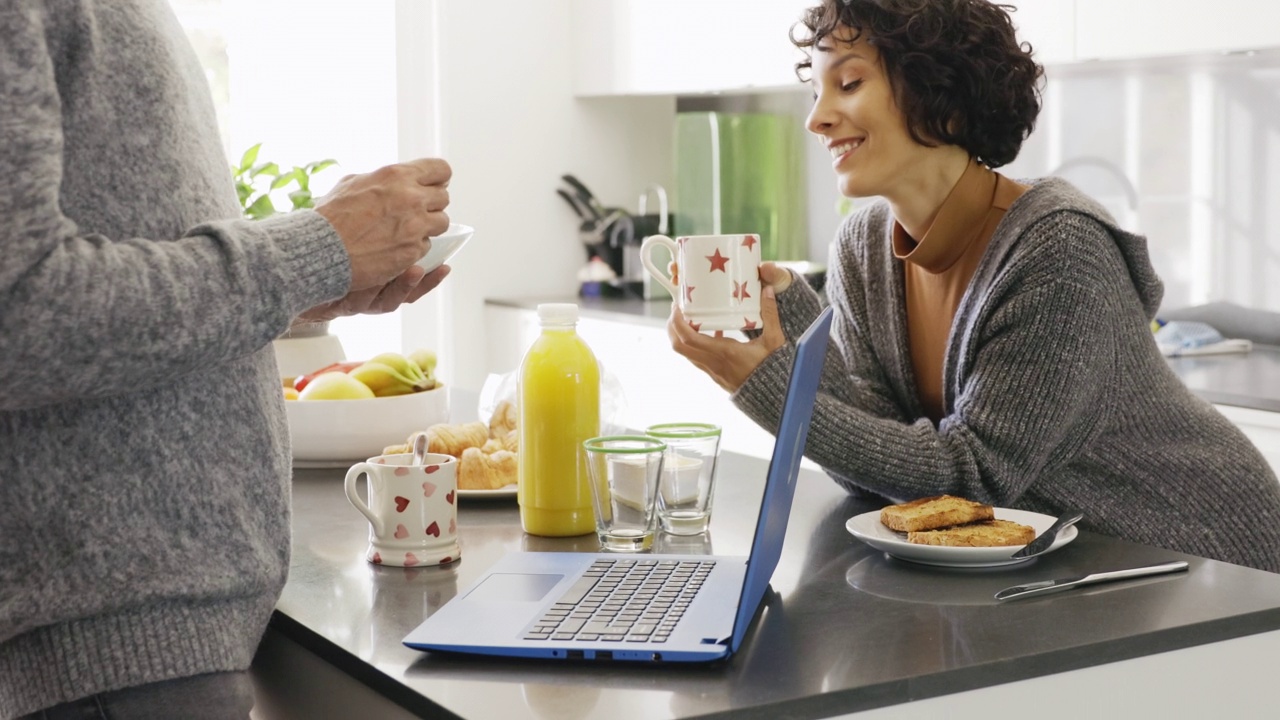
(445, 245)
(868, 528)
(507, 491)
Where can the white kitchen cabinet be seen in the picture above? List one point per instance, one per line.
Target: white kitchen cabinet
(1261, 427)
(659, 385)
(673, 47)
(1118, 29)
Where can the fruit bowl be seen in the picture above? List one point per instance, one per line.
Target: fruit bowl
(445, 245)
(348, 431)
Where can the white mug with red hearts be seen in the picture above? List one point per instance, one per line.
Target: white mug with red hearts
(719, 278)
(412, 509)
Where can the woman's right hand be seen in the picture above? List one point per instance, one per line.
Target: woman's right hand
(726, 361)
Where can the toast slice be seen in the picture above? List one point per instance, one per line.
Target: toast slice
(934, 512)
(987, 533)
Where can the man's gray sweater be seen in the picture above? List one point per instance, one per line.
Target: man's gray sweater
(1055, 392)
(144, 459)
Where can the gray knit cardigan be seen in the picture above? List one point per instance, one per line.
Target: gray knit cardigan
(144, 453)
(1055, 393)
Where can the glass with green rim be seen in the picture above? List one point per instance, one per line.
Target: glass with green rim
(623, 471)
(688, 475)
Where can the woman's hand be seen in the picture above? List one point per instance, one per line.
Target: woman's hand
(407, 288)
(731, 362)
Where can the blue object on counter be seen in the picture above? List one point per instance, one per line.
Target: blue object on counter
(1177, 335)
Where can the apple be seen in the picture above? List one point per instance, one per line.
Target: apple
(335, 386)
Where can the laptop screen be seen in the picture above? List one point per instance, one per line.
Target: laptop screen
(784, 468)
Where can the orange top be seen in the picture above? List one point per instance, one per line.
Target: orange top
(937, 269)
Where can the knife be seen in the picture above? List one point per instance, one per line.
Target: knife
(574, 203)
(1045, 539)
(587, 198)
(1051, 586)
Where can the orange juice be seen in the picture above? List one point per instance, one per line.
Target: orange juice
(559, 389)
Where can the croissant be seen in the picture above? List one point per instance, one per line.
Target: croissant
(479, 470)
(512, 441)
(453, 439)
(399, 449)
(503, 420)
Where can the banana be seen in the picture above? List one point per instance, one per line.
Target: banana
(425, 360)
(403, 365)
(382, 379)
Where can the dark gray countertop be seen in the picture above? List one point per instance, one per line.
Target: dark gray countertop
(1250, 380)
(845, 628)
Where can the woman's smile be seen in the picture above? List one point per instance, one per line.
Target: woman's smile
(842, 149)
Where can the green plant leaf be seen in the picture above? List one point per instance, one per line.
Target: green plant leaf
(304, 180)
(285, 179)
(250, 156)
(261, 208)
(301, 199)
(317, 166)
(268, 168)
(243, 191)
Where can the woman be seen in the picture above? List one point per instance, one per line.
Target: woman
(992, 336)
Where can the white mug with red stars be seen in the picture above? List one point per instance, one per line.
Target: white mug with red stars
(412, 509)
(719, 278)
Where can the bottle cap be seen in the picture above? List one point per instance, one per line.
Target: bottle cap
(558, 314)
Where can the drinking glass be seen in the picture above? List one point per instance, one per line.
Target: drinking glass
(624, 472)
(688, 475)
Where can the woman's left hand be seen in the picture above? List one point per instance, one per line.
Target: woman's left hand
(728, 362)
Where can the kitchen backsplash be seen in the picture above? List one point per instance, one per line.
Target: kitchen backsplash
(1183, 150)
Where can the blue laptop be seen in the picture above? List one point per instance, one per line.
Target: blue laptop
(641, 607)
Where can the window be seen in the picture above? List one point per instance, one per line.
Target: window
(309, 79)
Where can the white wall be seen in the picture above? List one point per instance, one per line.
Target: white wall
(510, 127)
(316, 79)
(489, 87)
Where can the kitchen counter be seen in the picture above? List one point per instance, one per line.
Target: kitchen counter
(845, 628)
(1248, 380)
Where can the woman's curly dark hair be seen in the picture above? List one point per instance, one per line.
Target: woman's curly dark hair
(955, 66)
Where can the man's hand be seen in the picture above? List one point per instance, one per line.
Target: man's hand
(411, 285)
(729, 362)
(386, 219)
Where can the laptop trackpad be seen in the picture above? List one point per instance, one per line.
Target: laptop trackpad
(514, 587)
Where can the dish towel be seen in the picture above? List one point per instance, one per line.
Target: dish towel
(1182, 338)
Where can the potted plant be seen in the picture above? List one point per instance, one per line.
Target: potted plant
(255, 183)
(251, 175)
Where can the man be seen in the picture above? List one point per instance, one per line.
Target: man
(144, 460)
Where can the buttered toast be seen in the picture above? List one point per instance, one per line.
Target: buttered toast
(934, 512)
(987, 533)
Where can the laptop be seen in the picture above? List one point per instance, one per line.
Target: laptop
(637, 607)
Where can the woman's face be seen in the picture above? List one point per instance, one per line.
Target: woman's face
(857, 119)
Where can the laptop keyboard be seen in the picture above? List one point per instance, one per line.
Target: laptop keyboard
(624, 600)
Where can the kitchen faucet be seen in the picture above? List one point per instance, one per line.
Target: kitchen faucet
(1131, 192)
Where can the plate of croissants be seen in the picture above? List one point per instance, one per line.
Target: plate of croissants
(486, 452)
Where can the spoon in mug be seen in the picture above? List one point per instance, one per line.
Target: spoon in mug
(420, 449)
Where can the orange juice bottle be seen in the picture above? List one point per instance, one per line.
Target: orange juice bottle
(559, 389)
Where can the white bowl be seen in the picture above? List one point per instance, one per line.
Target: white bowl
(354, 430)
(444, 246)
